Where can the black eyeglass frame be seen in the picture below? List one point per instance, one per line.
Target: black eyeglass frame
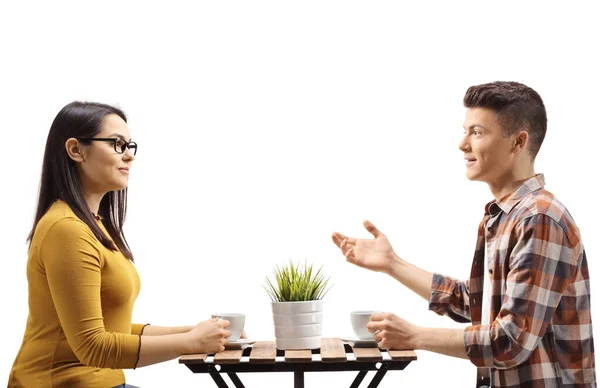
(115, 140)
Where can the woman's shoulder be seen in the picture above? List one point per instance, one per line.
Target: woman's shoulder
(61, 239)
(61, 231)
(60, 219)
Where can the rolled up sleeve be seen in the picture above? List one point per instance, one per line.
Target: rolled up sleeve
(450, 297)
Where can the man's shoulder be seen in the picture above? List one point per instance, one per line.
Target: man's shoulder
(542, 203)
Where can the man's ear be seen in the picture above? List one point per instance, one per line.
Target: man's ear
(521, 140)
(74, 149)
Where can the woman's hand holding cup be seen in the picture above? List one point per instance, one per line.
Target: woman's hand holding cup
(209, 336)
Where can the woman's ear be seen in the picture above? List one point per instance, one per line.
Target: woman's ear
(74, 149)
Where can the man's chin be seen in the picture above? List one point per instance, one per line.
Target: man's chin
(473, 176)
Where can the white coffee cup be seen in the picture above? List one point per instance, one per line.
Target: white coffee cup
(359, 321)
(236, 326)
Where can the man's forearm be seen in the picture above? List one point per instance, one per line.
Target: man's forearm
(151, 330)
(444, 341)
(413, 277)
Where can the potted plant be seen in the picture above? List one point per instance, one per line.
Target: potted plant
(296, 295)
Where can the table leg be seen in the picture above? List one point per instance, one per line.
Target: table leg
(377, 378)
(236, 380)
(359, 378)
(298, 379)
(218, 380)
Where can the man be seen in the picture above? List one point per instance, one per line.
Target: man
(528, 296)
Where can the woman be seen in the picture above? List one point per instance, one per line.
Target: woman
(82, 281)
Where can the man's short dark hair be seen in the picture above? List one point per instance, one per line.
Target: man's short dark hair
(518, 108)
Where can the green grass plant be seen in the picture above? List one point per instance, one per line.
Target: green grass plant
(293, 283)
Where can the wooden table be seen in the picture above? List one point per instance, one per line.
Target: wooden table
(334, 356)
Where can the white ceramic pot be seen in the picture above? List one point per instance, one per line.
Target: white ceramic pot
(298, 324)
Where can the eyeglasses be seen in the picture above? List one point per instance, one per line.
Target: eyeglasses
(119, 144)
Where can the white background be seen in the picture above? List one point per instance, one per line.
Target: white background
(263, 126)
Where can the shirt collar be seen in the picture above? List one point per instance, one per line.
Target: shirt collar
(509, 201)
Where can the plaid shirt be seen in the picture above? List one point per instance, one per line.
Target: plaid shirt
(541, 325)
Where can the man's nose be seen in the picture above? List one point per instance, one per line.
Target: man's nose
(464, 145)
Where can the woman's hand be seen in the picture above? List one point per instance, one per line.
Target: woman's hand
(209, 336)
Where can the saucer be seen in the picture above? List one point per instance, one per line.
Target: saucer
(360, 343)
(242, 343)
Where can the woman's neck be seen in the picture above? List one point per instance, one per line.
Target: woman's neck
(93, 201)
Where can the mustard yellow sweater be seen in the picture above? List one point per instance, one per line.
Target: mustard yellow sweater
(81, 295)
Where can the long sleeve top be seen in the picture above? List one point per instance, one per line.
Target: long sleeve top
(81, 297)
(540, 331)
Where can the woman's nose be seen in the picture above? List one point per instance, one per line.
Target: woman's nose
(128, 155)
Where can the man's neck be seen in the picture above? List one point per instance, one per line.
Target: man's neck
(509, 182)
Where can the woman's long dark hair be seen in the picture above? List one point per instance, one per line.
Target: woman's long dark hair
(60, 178)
